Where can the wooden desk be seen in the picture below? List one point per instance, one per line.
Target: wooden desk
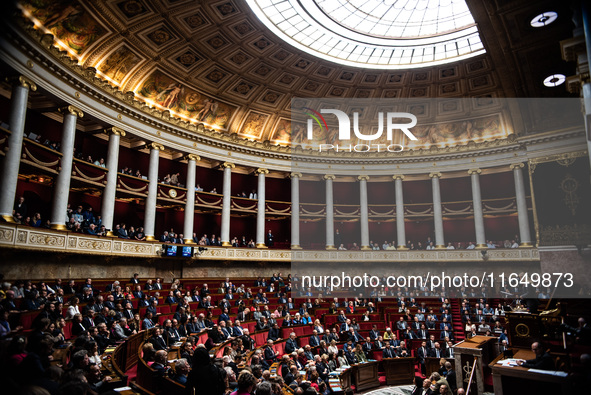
(516, 380)
(399, 370)
(365, 375)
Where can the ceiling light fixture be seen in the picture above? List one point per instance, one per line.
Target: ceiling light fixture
(554, 80)
(544, 19)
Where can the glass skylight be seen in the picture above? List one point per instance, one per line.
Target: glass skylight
(384, 34)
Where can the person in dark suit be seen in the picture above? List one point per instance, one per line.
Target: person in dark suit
(424, 389)
(449, 350)
(274, 333)
(291, 344)
(269, 353)
(314, 339)
(450, 376)
(542, 361)
(388, 352)
(158, 340)
(422, 353)
(269, 239)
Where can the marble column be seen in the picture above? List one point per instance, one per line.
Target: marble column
(61, 189)
(364, 212)
(150, 204)
(437, 213)
(477, 206)
(110, 191)
(329, 178)
(190, 203)
(12, 159)
(226, 203)
(295, 211)
(260, 241)
(524, 233)
(400, 228)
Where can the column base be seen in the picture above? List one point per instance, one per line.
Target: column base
(440, 247)
(226, 244)
(526, 244)
(261, 245)
(481, 247)
(402, 248)
(296, 247)
(366, 248)
(9, 219)
(330, 248)
(189, 241)
(150, 238)
(58, 227)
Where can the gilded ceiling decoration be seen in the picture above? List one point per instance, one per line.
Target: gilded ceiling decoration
(215, 63)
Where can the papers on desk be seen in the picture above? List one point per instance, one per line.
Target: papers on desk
(121, 389)
(177, 344)
(509, 362)
(550, 372)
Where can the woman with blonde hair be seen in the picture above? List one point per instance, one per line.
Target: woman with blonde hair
(333, 347)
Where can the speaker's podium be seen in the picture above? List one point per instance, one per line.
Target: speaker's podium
(479, 350)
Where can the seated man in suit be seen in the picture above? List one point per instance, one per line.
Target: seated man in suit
(402, 351)
(314, 339)
(354, 336)
(158, 340)
(389, 352)
(274, 333)
(543, 359)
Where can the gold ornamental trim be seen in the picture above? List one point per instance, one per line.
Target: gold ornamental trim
(435, 174)
(261, 170)
(363, 178)
(474, 171)
(565, 159)
(519, 165)
(73, 110)
(228, 165)
(192, 157)
(295, 175)
(155, 146)
(328, 177)
(398, 177)
(23, 81)
(115, 130)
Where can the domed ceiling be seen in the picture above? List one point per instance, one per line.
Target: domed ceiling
(216, 63)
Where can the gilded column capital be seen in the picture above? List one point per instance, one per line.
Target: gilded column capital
(362, 178)
(226, 165)
(435, 174)
(517, 165)
(22, 81)
(261, 170)
(473, 171)
(156, 146)
(115, 130)
(194, 157)
(328, 177)
(398, 177)
(71, 110)
(295, 175)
